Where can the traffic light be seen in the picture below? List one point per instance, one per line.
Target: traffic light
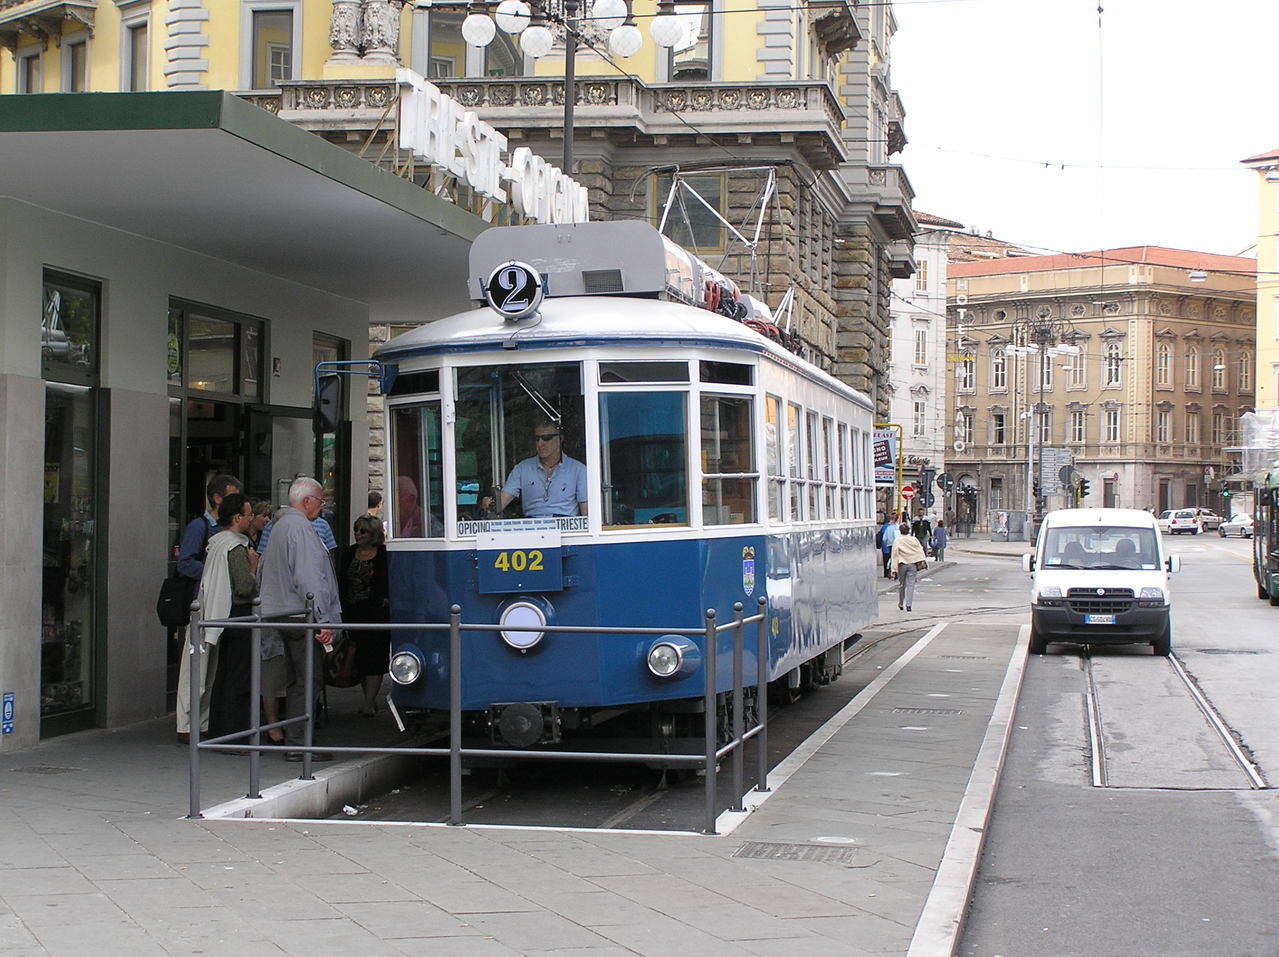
(1083, 488)
(1225, 494)
(1035, 489)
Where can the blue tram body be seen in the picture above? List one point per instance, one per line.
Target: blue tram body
(720, 468)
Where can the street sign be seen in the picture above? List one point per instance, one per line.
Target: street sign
(908, 492)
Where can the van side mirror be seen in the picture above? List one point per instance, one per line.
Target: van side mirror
(1174, 563)
(1028, 563)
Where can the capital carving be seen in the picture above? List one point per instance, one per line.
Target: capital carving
(344, 29)
(380, 35)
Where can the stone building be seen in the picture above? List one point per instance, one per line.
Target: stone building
(1142, 401)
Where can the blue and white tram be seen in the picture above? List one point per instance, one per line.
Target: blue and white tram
(720, 467)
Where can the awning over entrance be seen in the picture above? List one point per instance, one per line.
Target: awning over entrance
(209, 172)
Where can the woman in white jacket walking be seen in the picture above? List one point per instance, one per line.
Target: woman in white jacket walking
(906, 552)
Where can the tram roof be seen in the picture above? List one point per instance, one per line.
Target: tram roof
(598, 322)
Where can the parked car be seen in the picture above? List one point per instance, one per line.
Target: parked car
(1164, 519)
(1193, 521)
(1240, 525)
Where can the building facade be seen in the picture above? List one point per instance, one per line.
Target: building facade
(1267, 167)
(1145, 362)
(917, 381)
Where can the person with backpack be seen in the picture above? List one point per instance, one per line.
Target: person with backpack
(195, 539)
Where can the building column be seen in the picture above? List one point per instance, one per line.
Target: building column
(344, 31)
(380, 31)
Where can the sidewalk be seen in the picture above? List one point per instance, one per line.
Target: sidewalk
(865, 845)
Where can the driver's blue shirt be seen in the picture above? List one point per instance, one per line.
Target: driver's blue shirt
(542, 495)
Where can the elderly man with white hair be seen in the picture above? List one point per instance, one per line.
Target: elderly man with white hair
(297, 563)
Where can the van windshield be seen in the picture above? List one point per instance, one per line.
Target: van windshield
(1099, 546)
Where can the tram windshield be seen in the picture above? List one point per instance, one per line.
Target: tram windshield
(518, 446)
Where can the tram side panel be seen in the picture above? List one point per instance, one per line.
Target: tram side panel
(819, 586)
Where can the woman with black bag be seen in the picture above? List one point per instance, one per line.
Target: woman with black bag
(365, 592)
(906, 560)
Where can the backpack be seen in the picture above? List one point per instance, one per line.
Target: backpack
(173, 605)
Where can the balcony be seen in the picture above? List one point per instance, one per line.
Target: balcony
(805, 116)
(43, 20)
(887, 191)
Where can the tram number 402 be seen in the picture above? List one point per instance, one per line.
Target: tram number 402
(519, 561)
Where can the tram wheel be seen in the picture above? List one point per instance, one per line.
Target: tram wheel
(1274, 599)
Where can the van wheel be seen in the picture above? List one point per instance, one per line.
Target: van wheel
(1163, 645)
(1038, 645)
(1262, 593)
(1274, 599)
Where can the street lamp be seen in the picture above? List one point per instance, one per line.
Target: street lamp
(1045, 336)
(517, 17)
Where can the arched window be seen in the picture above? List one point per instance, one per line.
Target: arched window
(1245, 371)
(1218, 369)
(1163, 367)
(1113, 358)
(1192, 367)
(999, 369)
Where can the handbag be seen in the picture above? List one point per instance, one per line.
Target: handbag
(921, 566)
(339, 665)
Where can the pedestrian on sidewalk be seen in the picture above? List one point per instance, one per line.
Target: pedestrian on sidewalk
(195, 538)
(227, 589)
(940, 538)
(884, 539)
(296, 564)
(906, 558)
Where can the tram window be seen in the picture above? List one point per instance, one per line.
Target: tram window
(793, 463)
(644, 458)
(773, 455)
(812, 472)
(499, 410)
(728, 460)
(416, 463)
(841, 438)
(726, 373)
(828, 465)
(615, 372)
(416, 383)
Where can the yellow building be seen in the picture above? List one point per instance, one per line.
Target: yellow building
(1267, 167)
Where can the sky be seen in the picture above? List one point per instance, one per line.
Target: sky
(1055, 127)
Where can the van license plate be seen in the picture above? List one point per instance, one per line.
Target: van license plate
(1099, 619)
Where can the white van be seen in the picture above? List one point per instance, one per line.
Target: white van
(1100, 576)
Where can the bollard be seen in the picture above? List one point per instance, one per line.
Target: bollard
(761, 694)
(710, 724)
(455, 716)
(739, 727)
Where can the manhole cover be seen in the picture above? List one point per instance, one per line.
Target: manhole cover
(821, 853)
(1230, 651)
(43, 769)
(927, 711)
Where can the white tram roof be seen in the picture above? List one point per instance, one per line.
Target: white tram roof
(596, 322)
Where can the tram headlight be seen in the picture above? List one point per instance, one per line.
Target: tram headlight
(407, 665)
(522, 623)
(673, 657)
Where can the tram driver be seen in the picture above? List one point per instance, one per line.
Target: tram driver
(549, 483)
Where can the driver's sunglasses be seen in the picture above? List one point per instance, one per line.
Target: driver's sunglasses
(545, 436)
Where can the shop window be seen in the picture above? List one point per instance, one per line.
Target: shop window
(214, 351)
(72, 484)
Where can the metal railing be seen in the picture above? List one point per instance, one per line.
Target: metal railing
(304, 621)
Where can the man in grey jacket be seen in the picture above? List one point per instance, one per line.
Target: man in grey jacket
(297, 563)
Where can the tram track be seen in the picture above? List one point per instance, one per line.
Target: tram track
(1099, 726)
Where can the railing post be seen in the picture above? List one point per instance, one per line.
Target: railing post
(738, 721)
(761, 694)
(255, 701)
(308, 731)
(195, 643)
(708, 653)
(455, 715)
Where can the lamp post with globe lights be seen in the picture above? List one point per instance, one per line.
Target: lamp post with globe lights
(529, 22)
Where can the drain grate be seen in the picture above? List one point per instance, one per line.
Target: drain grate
(821, 853)
(965, 657)
(43, 769)
(1231, 651)
(939, 711)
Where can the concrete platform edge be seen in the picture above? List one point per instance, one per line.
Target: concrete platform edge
(942, 919)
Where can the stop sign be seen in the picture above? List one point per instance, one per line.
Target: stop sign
(908, 492)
